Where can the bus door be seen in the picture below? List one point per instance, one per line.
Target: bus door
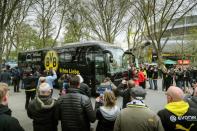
(99, 68)
(128, 61)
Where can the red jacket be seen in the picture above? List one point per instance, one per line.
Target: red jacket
(141, 76)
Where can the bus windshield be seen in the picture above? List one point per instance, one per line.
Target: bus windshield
(117, 64)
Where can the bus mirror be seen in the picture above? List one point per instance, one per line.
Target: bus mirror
(111, 60)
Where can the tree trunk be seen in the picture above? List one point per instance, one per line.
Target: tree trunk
(160, 62)
(1, 47)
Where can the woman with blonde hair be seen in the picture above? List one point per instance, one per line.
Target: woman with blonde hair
(107, 113)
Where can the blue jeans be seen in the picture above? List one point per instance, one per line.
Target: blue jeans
(150, 80)
(155, 84)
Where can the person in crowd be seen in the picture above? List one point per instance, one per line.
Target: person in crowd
(109, 85)
(122, 86)
(5, 76)
(74, 109)
(42, 110)
(61, 84)
(50, 77)
(7, 122)
(137, 116)
(192, 99)
(150, 76)
(155, 77)
(186, 76)
(179, 78)
(177, 114)
(141, 78)
(136, 81)
(145, 75)
(16, 79)
(107, 113)
(29, 81)
(126, 93)
(84, 88)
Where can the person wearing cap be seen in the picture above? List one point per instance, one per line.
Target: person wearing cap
(177, 114)
(42, 110)
(7, 122)
(75, 110)
(137, 116)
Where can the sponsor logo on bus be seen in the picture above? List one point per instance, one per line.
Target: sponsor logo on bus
(69, 71)
(51, 60)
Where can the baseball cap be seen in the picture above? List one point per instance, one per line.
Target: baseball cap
(138, 93)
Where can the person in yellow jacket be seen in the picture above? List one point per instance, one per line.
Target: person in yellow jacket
(177, 115)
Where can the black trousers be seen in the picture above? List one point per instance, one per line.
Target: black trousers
(16, 85)
(142, 84)
(29, 95)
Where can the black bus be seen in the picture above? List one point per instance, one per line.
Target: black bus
(92, 60)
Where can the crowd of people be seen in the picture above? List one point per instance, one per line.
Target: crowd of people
(76, 112)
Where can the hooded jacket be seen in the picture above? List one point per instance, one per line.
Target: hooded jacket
(178, 116)
(42, 111)
(106, 117)
(8, 123)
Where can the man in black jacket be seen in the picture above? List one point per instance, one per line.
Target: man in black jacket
(7, 123)
(42, 110)
(29, 81)
(75, 109)
(177, 114)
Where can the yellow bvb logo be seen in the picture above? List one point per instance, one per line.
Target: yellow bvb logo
(51, 60)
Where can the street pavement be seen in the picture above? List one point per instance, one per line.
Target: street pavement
(155, 100)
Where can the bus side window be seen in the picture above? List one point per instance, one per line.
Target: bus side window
(90, 53)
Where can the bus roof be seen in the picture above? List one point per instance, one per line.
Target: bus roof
(102, 44)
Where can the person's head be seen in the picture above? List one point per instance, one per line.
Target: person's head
(44, 89)
(131, 84)
(124, 83)
(174, 94)
(107, 79)
(4, 93)
(81, 78)
(138, 93)
(42, 79)
(195, 92)
(109, 99)
(74, 81)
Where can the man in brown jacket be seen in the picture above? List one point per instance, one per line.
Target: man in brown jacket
(137, 116)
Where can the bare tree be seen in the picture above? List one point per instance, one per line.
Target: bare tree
(7, 7)
(74, 22)
(159, 15)
(45, 11)
(12, 33)
(106, 18)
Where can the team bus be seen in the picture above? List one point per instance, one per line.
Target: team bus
(92, 60)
